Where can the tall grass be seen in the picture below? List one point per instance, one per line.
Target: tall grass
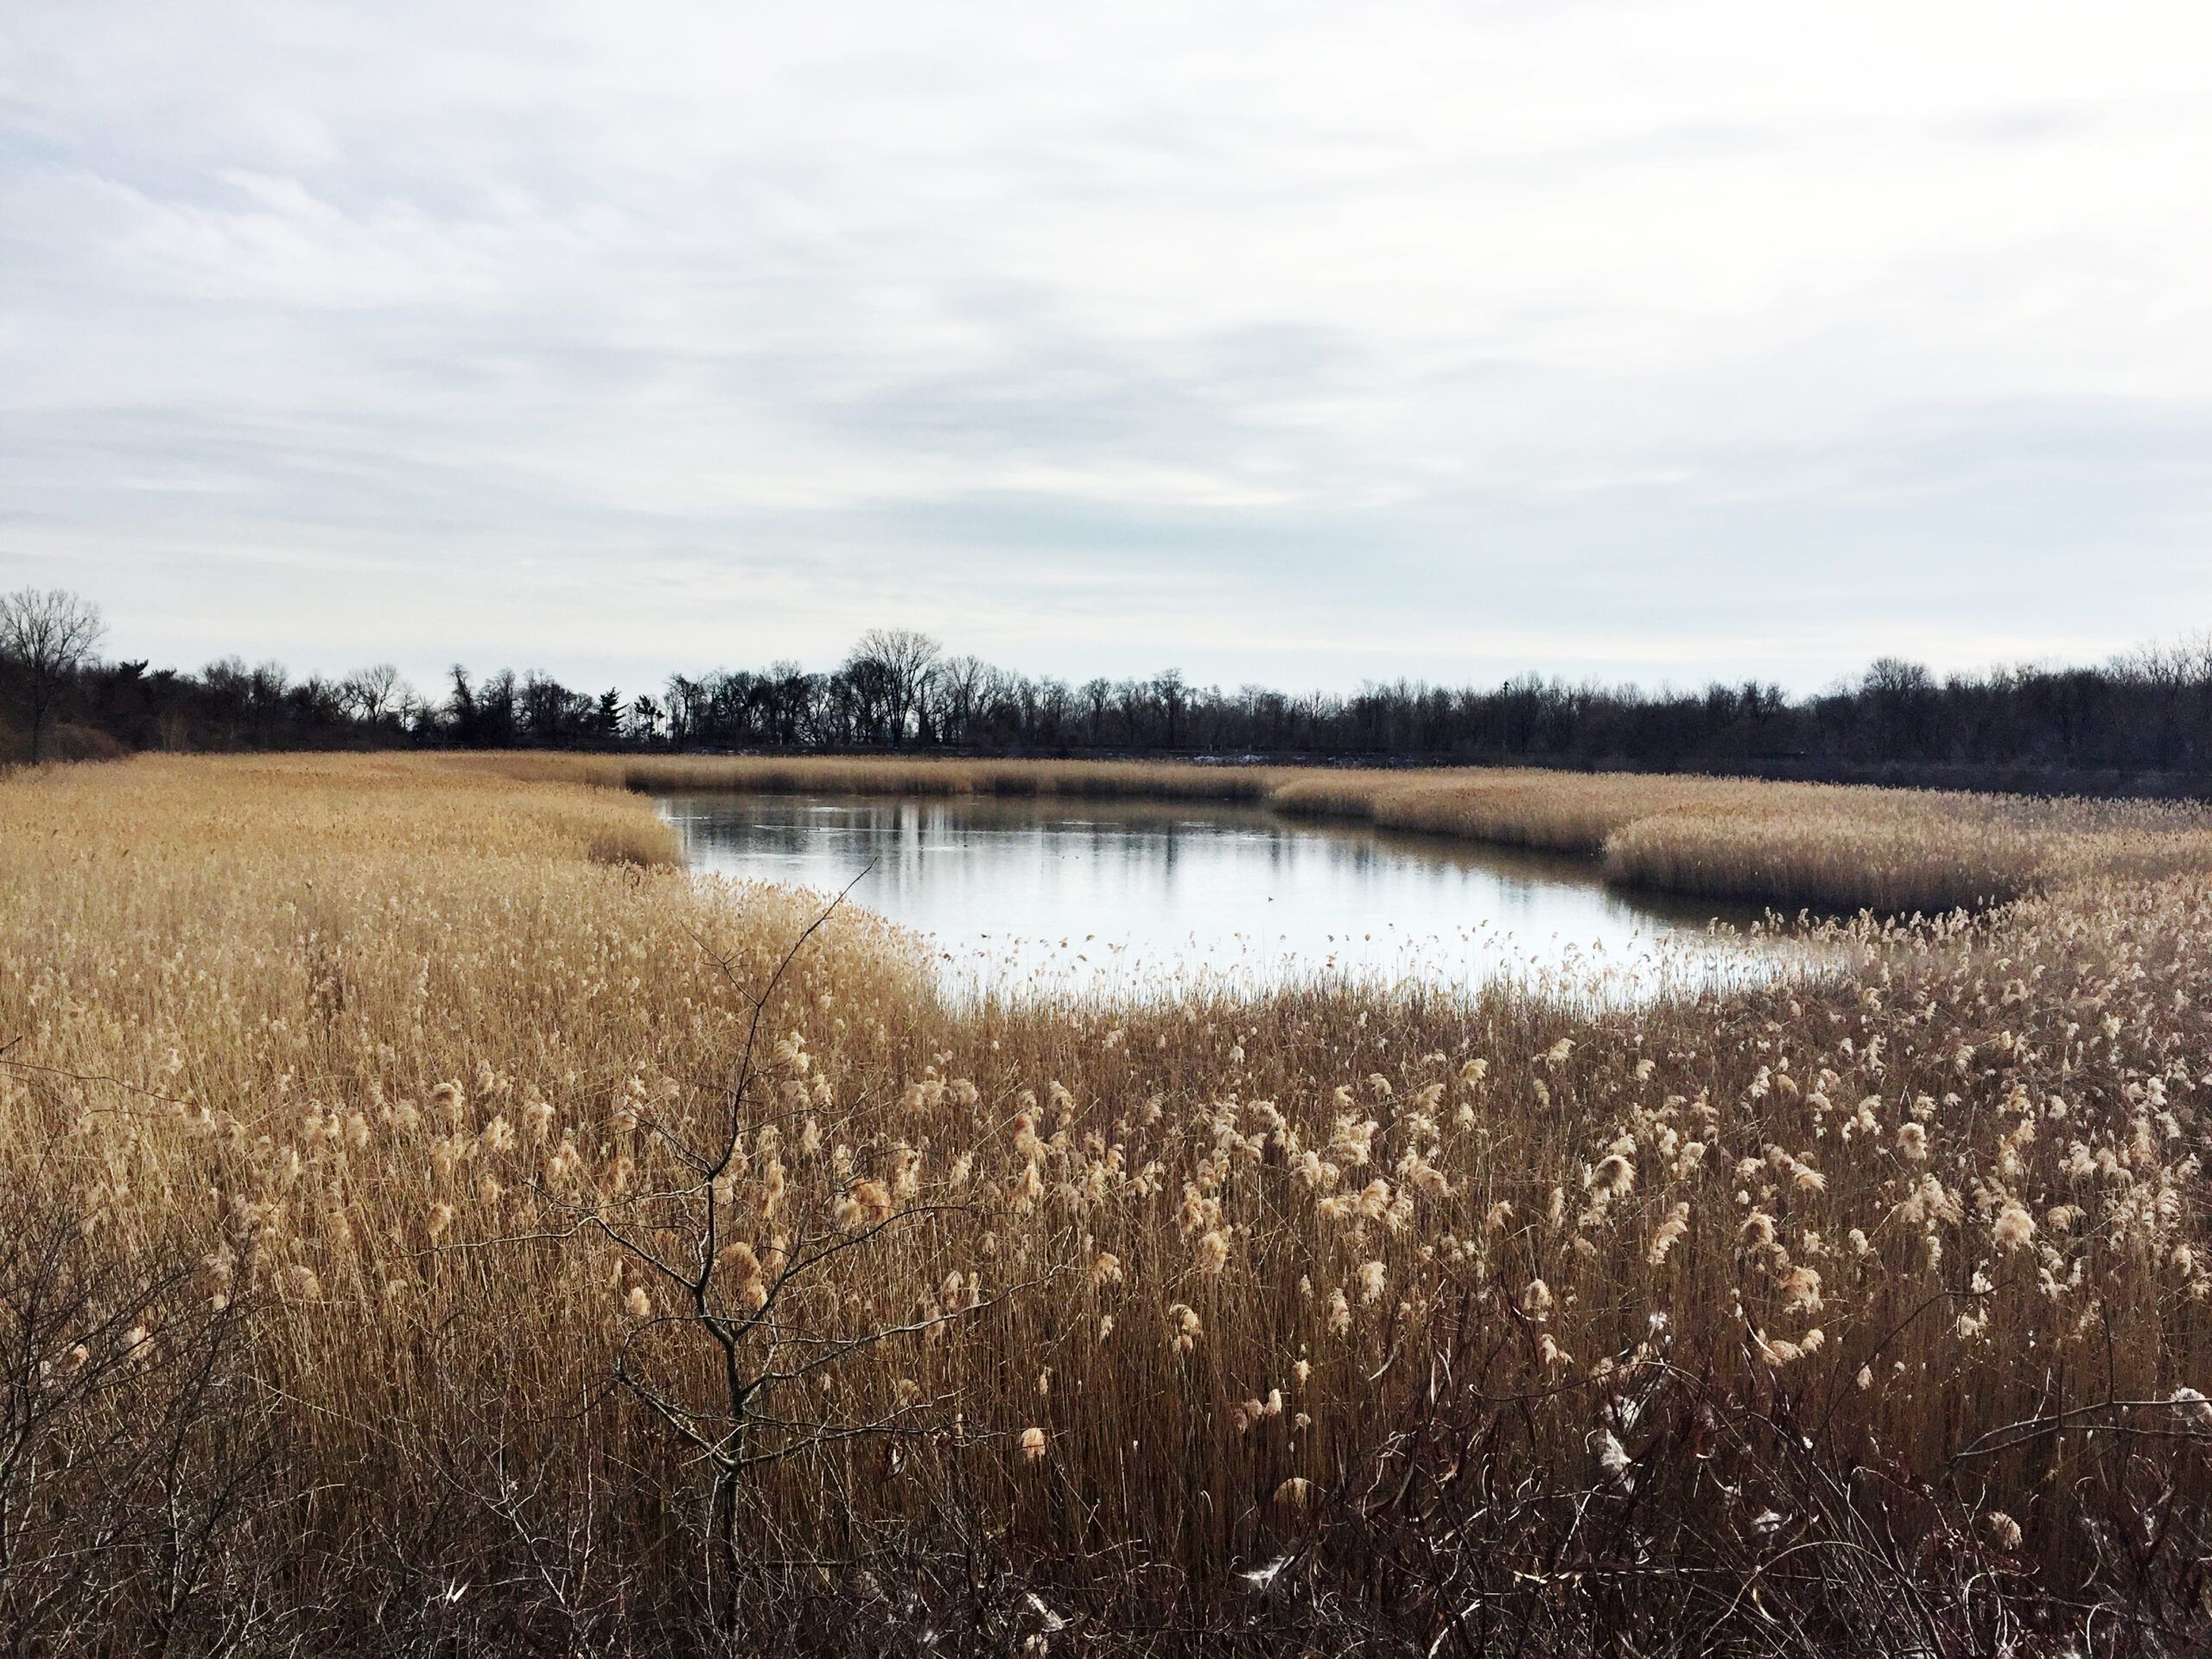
(410, 1103)
(1827, 847)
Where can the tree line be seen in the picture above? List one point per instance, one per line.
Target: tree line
(2138, 718)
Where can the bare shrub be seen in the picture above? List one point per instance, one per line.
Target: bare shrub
(135, 1443)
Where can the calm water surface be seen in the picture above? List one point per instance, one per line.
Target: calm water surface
(1059, 894)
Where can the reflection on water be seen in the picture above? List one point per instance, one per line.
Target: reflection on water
(1055, 893)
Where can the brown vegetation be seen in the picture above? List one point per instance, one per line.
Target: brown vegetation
(1820, 846)
(431, 1224)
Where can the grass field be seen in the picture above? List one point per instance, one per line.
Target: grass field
(431, 1223)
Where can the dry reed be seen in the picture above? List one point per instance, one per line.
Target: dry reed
(1864, 1310)
(1831, 847)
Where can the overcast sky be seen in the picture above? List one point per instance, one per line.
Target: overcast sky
(1302, 344)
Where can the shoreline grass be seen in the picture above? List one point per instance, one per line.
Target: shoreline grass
(1834, 849)
(385, 1204)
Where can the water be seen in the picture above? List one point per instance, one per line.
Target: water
(1054, 894)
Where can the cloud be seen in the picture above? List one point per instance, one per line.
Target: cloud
(1452, 341)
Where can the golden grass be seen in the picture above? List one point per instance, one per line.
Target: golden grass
(411, 1055)
(1827, 847)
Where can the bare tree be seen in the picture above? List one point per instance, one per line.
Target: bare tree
(375, 692)
(48, 636)
(961, 683)
(1173, 696)
(1097, 696)
(907, 658)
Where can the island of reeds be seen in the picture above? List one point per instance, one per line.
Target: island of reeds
(432, 1222)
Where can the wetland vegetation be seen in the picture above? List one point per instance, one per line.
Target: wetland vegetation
(435, 1220)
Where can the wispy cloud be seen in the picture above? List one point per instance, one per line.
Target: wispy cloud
(1280, 342)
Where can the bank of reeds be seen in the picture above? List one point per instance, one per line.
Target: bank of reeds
(1830, 847)
(427, 1222)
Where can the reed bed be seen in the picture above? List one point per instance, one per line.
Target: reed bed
(877, 775)
(1830, 847)
(431, 1221)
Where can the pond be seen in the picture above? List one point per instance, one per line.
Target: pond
(1058, 894)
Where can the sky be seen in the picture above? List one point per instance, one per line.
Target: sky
(1304, 344)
